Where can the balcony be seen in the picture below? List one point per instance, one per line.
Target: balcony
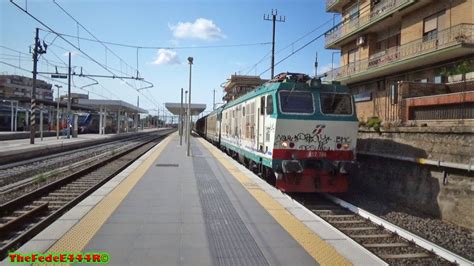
(382, 10)
(449, 43)
(335, 5)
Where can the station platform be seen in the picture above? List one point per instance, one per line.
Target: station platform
(15, 149)
(206, 209)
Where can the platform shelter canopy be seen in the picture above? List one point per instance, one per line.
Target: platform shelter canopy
(113, 105)
(196, 108)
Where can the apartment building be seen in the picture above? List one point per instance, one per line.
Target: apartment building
(238, 85)
(406, 60)
(13, 87)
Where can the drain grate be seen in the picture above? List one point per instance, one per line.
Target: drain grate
(166, 165)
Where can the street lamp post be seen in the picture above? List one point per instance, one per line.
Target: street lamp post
(190, 61)
(185, 117)
(181, 120)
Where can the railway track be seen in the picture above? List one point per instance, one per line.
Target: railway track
(25, 216)
(13, 174)
(389, 242)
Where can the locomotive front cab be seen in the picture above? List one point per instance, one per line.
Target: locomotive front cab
(315, 138)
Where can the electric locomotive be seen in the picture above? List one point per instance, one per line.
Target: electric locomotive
(296, 132)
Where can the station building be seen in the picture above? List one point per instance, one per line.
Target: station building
(113, 116)
(406, 61)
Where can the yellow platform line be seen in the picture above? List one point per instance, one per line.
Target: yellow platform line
(76, 239)
(321, 251)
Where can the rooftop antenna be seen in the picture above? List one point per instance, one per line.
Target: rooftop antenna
(316, 65)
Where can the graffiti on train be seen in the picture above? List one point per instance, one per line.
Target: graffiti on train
(316, 140)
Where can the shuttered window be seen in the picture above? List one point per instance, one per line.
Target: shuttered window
(430, 24)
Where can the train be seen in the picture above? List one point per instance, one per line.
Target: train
(294, 131)
(89, 123)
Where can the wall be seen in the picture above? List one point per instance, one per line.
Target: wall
(419, 187)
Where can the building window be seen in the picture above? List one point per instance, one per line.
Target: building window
(431, 26)
(352, 12)
(352, 56)
(438, 79)
(380, 85)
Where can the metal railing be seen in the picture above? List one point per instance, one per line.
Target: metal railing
(383, 8)
(461, 33)
(330, 3)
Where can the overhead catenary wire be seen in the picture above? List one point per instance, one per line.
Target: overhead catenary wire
(65, 66)
(365, 10)
(290, 44)
(150, 85)
(294, 52)
(141, 47)
(90, 33)
(51, 79)
(67, 41)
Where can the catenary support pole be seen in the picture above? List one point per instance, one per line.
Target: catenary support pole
(190, 60)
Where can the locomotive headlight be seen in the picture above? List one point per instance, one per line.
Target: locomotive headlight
(345, 146)
(284, 144)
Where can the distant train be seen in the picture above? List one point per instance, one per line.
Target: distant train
(89, 123)
(22, 117)
(298, 134)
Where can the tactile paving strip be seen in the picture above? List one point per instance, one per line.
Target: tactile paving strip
(230, 241)
(321, 251)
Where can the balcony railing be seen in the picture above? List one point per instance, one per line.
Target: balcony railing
(462, 33)
(330, 3)
(383, 8)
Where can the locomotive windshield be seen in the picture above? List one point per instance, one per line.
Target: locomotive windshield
(297, 102)
(336, 103)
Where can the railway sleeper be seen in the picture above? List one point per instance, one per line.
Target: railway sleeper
(89, 180)
(358, 228)
(85, 182)
(337, 215)
(386, 245)
(349, 222)
(52, 203)
(55, 199)
(11, 225)
(324, 207)
(64, 194)
(405, 256)
(370, 236)
(79, 187)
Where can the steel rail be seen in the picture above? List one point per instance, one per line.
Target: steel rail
(428, 245)
(34, 195)
(68, 168)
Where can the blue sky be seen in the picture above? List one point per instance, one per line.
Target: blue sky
(165, 24)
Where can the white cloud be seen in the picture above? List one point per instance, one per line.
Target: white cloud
(325, 68)
(166, 57)
(202, 28)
